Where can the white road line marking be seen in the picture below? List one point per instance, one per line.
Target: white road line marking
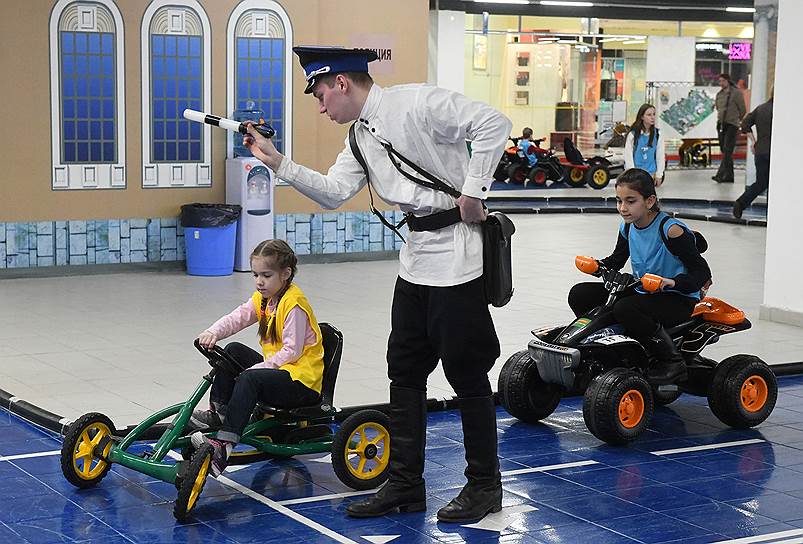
(380, 539)
(709, 446)
(499, 521)
(766, 538)
(317, 498)
(549, 467)
(30, 455)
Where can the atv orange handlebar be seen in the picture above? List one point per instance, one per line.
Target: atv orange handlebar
(651, 282)
(586, 264)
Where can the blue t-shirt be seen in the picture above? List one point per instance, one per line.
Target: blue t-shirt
(524, 145)
(644, 154)
(649, 254)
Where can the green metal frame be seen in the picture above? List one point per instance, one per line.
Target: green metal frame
(152, 464)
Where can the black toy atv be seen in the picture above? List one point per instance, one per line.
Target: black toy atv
(593, 356)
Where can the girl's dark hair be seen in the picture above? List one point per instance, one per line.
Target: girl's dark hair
(283, 257)
(640, 181)
(638, 125)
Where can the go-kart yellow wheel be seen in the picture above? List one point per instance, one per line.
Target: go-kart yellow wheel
(598, 176)
(575, 177)
(85, 451)
(192, 482)
(618, 406)
(743, 391)
(361, 450)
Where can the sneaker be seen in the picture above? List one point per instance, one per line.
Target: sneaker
(220, 456)
(205, 419)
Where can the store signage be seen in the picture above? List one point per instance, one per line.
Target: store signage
(382, 44)
(739, 51)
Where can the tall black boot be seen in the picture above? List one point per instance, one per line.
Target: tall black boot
(405, 490)
(670, 367)
(483, 492)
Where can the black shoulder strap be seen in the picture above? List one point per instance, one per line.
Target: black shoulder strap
(660, 229)
(430, 181)
(355, 150)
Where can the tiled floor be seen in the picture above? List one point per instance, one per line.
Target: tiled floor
(688, 479)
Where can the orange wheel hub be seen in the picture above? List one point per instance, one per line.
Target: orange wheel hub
(631, 409)
(754, 393)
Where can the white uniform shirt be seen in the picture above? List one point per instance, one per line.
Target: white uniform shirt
(429, 126)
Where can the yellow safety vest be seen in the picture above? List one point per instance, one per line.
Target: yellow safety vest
(308, 369)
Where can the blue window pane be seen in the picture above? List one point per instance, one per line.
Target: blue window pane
(108, 109)
(195, 105)
(82, 108)
(69, 130)
(68, 109)
(265, 88)
(183, 130)
(83, 151)
(108, 152)
(67, 86)
(182, 46)
(277, 70)
(276, 110)
(195, 68)
(170, 151)
(108, 87)
(67, 42)
(277, 126)
(183, 66)
(253, 68)
(83, 130)
(80, 42)
(158, 66)
(159, 130)
(158, 151)
(107, 43)
(158, 88)
(265, 68)
(107, 65)
(183, 88)
(159, 109)
(94, 109)
(170, 131)
(95, 152)
(170, 67)
(183, 151)
(80, 86)
(242, 68)
(94, 130)
(69, 152)
(242, 87)
(170, 46)
(195, 130)
(170, 88)
(278, 48)
(81, 65)
(94, 65)
(195, 150)
(277, 89)
(157, 45)
(195, 88)
(108, 130)
(253, 48)
(170, 110)
(195, 46)
(94, 87)
(253, 90)
(242, 47)
(94, 44)
(67, 64)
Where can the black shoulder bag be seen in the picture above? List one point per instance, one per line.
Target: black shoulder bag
(497, 229)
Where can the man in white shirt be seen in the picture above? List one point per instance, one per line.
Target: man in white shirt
(439, 308)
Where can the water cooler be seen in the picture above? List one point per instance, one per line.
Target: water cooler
(249, 183)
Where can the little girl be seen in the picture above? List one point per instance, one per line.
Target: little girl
(289, 371)
(671, 253)
(644, 147)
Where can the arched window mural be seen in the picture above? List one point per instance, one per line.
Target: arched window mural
(259, 66)
(176, 75)
(87, 88)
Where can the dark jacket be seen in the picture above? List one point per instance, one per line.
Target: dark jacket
(761, 118)
(730, 106)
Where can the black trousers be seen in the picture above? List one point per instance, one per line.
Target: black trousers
(727, 143)
(240, 393)
(639, 314)
(452, 324)
(761, 184)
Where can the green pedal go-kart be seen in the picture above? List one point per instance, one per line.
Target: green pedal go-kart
(360, 447)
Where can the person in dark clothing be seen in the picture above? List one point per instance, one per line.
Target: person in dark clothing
(761, 118)
(656, 244)
(730, 110)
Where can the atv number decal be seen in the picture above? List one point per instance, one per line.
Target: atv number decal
(701, 335)
(614, 339)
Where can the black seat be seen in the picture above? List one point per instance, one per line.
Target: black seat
(573, 155)
(324, 407)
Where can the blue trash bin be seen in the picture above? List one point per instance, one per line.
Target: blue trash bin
(210, 231)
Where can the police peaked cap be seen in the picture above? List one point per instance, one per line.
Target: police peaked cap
(319, 60)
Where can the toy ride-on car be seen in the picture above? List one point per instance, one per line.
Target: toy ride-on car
(594, 356)
(360, 448)
(579, 171)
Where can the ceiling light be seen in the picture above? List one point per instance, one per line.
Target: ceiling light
(736, 10)
(502, 1)
(569, 4)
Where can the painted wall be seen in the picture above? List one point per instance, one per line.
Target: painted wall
(783, 294)
(25, 180)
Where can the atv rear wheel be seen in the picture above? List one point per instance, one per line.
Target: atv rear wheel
(522, 392)
(618, 406)
(743, 391)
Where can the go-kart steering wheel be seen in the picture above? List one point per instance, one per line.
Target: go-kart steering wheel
(219, 359)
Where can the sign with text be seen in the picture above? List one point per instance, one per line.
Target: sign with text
(383, 45)
(739, 51)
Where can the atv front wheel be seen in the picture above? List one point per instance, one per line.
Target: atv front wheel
(743, 391)
(618, 406)
(522, 392)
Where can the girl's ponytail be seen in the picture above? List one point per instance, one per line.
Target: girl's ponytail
(283, 257)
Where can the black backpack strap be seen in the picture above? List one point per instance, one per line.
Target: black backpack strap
(355, 150)
(430, 181)
(661, 229)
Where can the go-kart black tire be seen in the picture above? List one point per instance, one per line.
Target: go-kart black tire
(516, 174)
(598, 176)
(574, 176)
(743, 391)
(500, 174)
(538, 176)
(522, 392)
(192, 483)
(85, 431)
(665, 398)
(618, 406)
(376, 450)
